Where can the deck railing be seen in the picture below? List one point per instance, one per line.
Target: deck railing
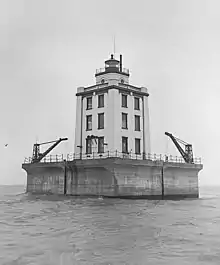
(114, 154)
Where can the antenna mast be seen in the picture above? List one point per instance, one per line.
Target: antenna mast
(114, 47)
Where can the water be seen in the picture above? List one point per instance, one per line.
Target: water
(47, 230)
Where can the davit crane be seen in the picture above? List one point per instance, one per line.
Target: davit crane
(37, 156)
(188, 153)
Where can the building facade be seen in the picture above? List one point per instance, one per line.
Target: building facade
(112, 115)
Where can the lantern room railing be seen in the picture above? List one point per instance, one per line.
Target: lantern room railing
(112, 69)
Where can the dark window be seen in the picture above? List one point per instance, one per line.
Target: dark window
(101, 145)
(137, 123)
(124, 121)
(137, 103)
(101, 101)
(137, 146)
(101, 121)
(88, 146)
(124, 144)
(89, 103)
(103, 81)
(124, 99)
(89, 122)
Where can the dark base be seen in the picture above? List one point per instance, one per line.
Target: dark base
(145, 197)
(157, 197)
(128, 197)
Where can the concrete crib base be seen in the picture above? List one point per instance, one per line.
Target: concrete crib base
(115, 178)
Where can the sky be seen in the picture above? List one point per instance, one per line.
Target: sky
(48, 48)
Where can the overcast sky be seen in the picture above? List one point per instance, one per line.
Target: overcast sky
(50, 47)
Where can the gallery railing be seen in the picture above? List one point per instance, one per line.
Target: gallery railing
(114, 154)
(109, 69)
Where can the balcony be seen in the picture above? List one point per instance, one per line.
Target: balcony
(115, 154)
(95, 87)
(106, 70)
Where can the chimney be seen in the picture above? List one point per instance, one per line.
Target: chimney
(120, 69)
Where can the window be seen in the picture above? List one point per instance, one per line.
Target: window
(124, 100)
(88, 146)
(122, 81)
(103, 81)
(124, 121)
(89, 103)
(137, 103)
(101, 145)
(89, 122)
(137, 146)
(137, 123)
(100, 101)
(124, 144)
(101, 121)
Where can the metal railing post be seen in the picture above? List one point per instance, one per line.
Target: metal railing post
(117, 154)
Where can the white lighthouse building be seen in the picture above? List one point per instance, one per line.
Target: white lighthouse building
(112, 127)
(112, 116)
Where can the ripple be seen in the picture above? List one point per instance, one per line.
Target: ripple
(50, 229)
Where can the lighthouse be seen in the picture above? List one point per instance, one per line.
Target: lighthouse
(112, 156)
(112, 116)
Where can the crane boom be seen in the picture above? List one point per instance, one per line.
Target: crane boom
(187, 154)
(48, 142)
(37, 156)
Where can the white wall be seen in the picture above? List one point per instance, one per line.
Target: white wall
(113, 131)
(113, 78)
(94, 112)
(78, 122)
(130, 132)
(111, 116)
(147, 148)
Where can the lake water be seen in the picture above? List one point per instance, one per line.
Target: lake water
(54, 230)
